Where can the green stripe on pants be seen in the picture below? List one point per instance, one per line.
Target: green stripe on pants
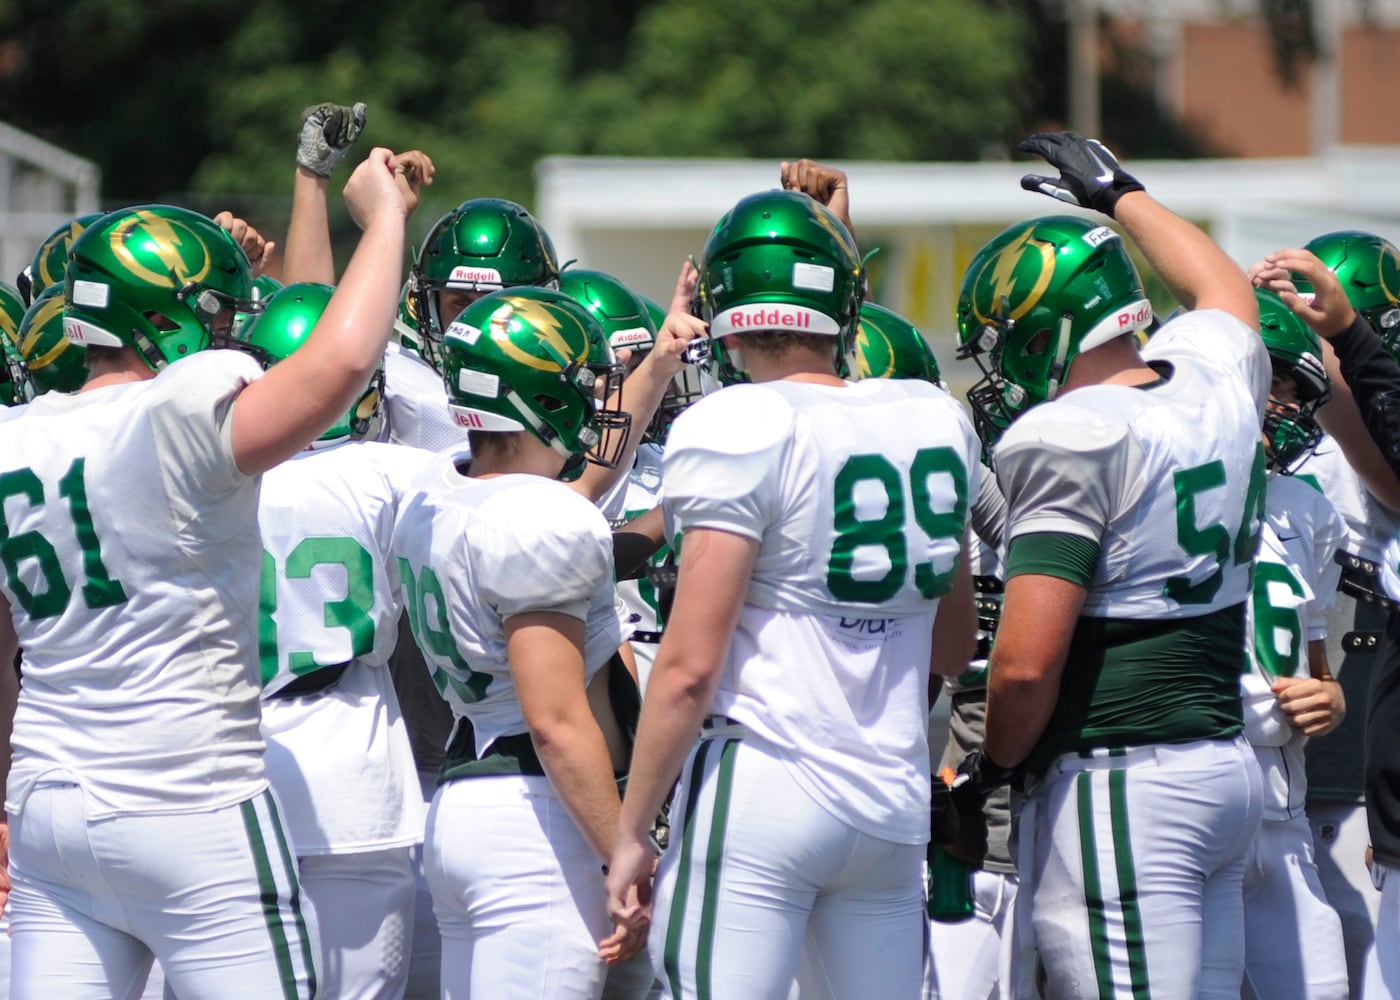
(271, 900)
(1093, 888)
(1127, 884)
(671, 957)
(714, 866)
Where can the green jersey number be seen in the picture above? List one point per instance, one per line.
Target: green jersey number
(99, 589)
(353, 612)
(1214, 539)
(434, 636)
(1278, 631)
(887, 530)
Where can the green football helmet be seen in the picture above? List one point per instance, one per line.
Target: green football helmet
(1368, 266)
(482, 245)
(889, 346)
(13, 377)
(1033, 299)
(1291, 430)
(282, 325)
(50, 361)
(50, 261)
(520, 360)
(780, 262)
(621, 312)
(164, 280)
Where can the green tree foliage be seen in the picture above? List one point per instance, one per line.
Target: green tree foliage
(173, 96)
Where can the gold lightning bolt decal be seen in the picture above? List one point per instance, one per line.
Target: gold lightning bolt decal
(1389, 271)
(867, 333)
(546, 328)
(827, 220)
(145, 235)
(46, 313)
(1004, 277)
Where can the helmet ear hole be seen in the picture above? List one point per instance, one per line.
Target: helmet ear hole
(161, 321)
(549, 403)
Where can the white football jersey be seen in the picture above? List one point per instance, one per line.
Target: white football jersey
(858, 497)
(340, 761)
(1370, 523)
(638, 597)
(1295, 582)
(415, 404)
(1167, 479)
(131, 555)
(473, 553)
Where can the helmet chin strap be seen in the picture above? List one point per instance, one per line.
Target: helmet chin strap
(1058, 366)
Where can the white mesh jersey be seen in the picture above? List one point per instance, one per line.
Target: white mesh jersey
(415, 403)
(130, 547)
(473, 553)
(1167, 479)
(1295, 582)
(858, 497)
(340, 761)
(638, 597)
(1370, 523)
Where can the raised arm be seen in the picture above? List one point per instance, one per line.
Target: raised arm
(297, 399)
(327, 132)
(1194, 268)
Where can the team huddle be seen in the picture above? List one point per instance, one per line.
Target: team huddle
(504, 633)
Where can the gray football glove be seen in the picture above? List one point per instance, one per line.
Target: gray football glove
(1089, 174)
(327, 132)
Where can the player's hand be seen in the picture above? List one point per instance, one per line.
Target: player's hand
(1313, 706)
(669, 355)
(413, 170)
(827, 185)
(1089, 174)
(628, 888)
(373, 190)
(1329, 311)
(255, 248)
(327, 132)
(684, 293)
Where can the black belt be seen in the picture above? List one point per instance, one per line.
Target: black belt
(318, 681)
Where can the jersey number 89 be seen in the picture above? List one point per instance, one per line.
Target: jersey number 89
(887, 531)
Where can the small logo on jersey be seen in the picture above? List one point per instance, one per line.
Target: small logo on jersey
(867, 626)
(474, 276)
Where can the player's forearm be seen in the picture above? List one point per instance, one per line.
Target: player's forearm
(1342, 419)
(307, 255)
(575, 757)
(1018, 710)
(679, 695)
(1196, 271)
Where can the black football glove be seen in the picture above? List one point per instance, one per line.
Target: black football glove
(327, 132)
(1089, 174)
(977, 778)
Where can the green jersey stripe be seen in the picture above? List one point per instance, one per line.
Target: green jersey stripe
(1127, 884)
(714, 867)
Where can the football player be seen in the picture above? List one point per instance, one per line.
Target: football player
(1134, 484)
(527, 805)
(1293, 937)
(337, 749)
(140, 818)
(51, 258)
(822, 528)
(1370, 374)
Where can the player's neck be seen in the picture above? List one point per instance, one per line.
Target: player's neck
(794, 365)
(1114, 363)
(107, 368)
